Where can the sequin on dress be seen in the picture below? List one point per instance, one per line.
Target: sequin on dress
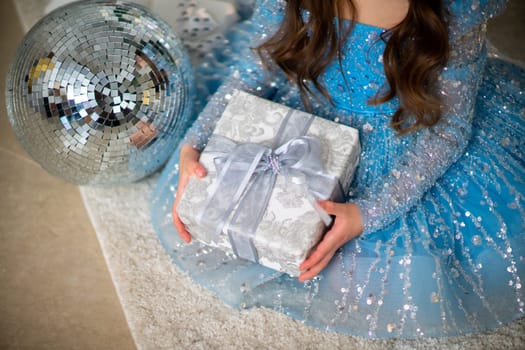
(443, 249)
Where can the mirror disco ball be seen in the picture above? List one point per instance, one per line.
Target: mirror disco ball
(99, 92)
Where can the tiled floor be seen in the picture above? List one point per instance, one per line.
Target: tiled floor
(55, 290)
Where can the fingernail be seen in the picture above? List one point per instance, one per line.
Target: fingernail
(200, 171)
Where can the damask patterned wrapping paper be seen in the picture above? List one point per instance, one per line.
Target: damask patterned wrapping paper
(290, 226)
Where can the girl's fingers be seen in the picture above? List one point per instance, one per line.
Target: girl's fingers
(199, 171)
(347, 225)
(332, 208)
(320, 252)
(194, 168)
(189, 162)
(189, 166)
(181, 229)
(314, 270)
(179, 225)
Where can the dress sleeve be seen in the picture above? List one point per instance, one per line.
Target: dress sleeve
(433, 150)
(247, 74)
(465, 14)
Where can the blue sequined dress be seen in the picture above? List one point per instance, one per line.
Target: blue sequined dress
(443, 208)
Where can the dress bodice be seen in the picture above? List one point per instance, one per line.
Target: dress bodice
(360, 75)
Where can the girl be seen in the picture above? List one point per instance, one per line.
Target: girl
(431, 239)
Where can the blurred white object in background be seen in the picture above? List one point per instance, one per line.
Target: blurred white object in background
(200, 24)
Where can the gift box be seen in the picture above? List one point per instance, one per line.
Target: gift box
(267, 166)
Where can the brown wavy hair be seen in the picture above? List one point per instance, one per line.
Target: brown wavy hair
(416, 51)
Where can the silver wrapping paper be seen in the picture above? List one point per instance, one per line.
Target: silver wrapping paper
(290, 227)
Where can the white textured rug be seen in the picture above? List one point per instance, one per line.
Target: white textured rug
(167, 310)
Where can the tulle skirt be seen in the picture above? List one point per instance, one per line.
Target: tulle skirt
(454, 264)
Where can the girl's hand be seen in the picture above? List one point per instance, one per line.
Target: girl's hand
(347, 226)
(188, 166)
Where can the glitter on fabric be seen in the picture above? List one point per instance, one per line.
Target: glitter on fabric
(443, 249)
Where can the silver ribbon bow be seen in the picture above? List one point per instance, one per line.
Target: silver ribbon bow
(246, 177)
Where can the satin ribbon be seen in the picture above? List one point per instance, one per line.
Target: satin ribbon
(246, 177)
